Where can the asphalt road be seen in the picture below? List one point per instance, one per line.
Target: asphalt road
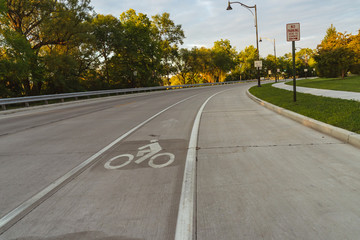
(134, 202)
(259, 175)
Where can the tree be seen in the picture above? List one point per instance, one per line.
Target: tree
(140, 58)
(108, 36)
(32, 29)
(247, 58)
(169, 36)
(334, 55)
(304, 60)
(223, 56)
(186, 65)
(354, 45)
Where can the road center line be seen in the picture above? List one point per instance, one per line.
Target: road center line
(186, 217)
(22, 210)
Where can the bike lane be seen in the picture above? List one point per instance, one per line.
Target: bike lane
(263, 176)
(138, 200)
(38, 158)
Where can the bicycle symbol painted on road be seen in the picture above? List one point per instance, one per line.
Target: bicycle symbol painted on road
(149, 151)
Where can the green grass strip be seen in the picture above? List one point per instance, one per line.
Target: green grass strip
(337, 112)
(351, 84)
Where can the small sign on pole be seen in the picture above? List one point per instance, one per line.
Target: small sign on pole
(293, 32)
(292, 35)
(258, 64)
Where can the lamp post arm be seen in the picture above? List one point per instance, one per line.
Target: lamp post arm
(257, 33)
(248, 8)
(244, 5)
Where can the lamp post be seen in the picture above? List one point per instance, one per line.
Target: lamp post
(273, 40)
(256, 26)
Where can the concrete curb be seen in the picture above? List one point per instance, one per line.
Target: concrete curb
(339, 133)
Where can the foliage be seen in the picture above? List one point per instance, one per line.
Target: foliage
(337, 53)
(223, 58)
(245, 60)
(31, 32)
(204, 65)
(52, 46)
(62, 46)
(337, 112)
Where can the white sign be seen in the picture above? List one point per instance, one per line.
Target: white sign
(293, 32)
(258, 64)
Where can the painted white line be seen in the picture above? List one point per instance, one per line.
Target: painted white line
(16, 214)
(186, 218)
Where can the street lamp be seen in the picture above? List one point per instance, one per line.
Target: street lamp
(271, 40)
(256, 26)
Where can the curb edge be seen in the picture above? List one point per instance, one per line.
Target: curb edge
(336, 132)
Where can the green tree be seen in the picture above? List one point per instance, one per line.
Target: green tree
(31, 29)
(205, 65)
(304, 59)
(354, 45)
(247, 58)
(139, 59)
(186, 66)
(108, 36)
(285, 65)
(170, 36)
(334, 56)
(223, 57)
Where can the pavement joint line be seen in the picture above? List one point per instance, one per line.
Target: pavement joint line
(270, 145)
(231, 111)
(336, 132)
(27, 206)
(185, 229)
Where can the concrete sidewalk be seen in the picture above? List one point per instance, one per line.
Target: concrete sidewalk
(263, 176)
(321, 92)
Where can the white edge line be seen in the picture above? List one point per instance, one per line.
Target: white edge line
(186, 218)
(22, 210)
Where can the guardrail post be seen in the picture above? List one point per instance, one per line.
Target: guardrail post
(46, 102)
(3, 107)
(27, 104)
(62, 100)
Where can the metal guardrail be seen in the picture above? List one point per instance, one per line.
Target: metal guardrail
(27, 100)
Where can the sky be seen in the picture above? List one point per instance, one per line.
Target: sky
(207, 21)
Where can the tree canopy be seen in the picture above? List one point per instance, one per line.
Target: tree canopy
(52, 46)
(337, 53)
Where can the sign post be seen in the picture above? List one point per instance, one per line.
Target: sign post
(292, 35)
(258, 66)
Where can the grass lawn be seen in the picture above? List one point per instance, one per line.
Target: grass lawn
(337, 112)
(351, 84)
